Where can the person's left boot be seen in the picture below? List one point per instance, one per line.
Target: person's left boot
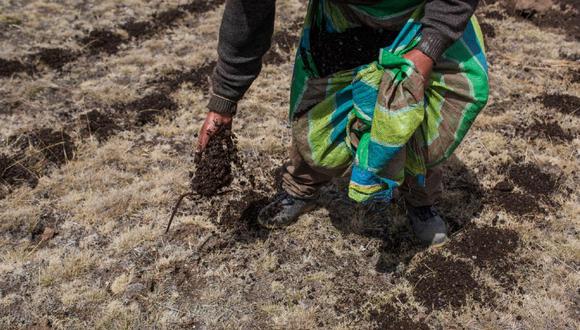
(427, 224)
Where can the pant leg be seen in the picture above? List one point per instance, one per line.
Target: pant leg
(301, 180)
(418, 196)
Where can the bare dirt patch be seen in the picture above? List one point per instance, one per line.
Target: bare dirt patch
(11, 67)
(56, 146)
(14, 173)
(138, 29)
(514, 202)
(490, 248)
(102, 41)
(544, 129)
(487, 29)
(439, 282)
(55, 58)
(148, 107)
(201, 6)
(389, 316)
(567, 104)
(197, 77)
(98, 124)
(531, 178)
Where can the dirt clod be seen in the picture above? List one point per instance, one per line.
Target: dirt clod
(487, 29)
(102, 41)
(214, 165)
(439, 282)
(98, 124)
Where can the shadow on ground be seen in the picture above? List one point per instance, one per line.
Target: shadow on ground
(460, 204)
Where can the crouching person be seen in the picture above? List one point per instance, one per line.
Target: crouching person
(382, 90)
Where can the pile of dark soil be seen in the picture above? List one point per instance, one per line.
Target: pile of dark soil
(514, 202)
(198, 77)
(334, 52)
(389, 317)
(567, 104)
(138, 29)
(544, 130)
(489, 248)
(148, 107)
(14, 173)
(55, 58)
(98, 124)
(214, 165)
(56, 146)
(10, 67)
(531, 178)
(102, 41)
(439, 282)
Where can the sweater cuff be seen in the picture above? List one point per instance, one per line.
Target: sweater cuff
(222, 105)
(433, 44)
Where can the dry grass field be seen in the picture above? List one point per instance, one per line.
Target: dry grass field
(100, 102)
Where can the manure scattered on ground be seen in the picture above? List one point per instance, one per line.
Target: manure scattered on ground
(566, 104)
(55, 58)
(56, 146)
(389, 317)
(11, 67)
(98, 124)
(550, 130)
(102, 41)
(148, 107)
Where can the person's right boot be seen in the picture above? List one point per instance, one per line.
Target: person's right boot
(427, 225)
(284, 210)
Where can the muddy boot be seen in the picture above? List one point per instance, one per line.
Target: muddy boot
(284, 210)
(427, 224)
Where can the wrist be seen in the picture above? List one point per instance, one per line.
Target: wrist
(221, 105)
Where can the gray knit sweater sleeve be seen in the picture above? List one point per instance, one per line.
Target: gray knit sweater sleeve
(246, 34)
(443, 23)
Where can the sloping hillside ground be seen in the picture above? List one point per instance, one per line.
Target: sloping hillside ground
(99, 107)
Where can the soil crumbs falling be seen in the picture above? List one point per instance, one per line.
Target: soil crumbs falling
(439, 282)
(214, 165)
(102, 41)
(389, 317)
(98, 124)
(567, 104)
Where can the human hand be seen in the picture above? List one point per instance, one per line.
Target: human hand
(212, 124)
(423, 63)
